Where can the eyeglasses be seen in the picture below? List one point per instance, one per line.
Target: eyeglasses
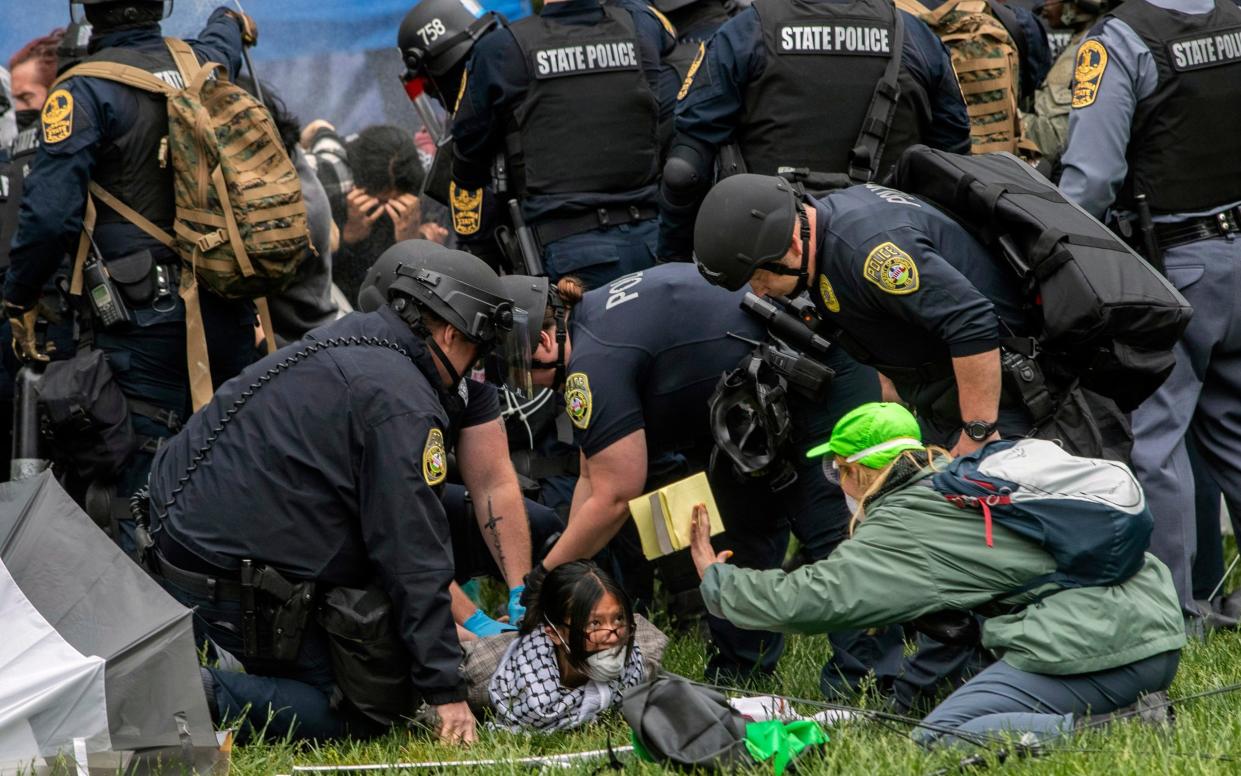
(600, 635)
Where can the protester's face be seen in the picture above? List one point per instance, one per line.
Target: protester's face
(28, 92)
(852, 481)
(607, 625)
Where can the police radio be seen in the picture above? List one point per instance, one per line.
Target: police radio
(105, 301)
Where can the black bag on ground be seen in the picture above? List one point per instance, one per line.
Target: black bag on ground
(86, 415)
(369, 660)
(1107, 315)
(680, 724)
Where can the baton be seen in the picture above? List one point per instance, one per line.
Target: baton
(245, 56)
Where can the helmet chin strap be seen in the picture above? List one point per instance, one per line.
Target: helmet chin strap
(803, 272)
(562, 332)
(409, 313)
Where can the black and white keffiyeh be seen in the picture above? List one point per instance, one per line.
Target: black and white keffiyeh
(526, 693)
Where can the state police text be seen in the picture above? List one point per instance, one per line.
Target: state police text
(830, 37)
(567, 60)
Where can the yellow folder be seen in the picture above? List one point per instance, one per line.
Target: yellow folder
(663, 516)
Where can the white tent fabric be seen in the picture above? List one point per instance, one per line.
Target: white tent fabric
(51, 693)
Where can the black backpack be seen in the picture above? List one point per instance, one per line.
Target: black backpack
(1108, 317)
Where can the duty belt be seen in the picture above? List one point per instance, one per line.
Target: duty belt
(1221, 224)
(559, 228)
(214, 588)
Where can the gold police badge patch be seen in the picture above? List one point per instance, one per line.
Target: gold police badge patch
(577, 399)
(1088, 74)
(57, 117)
(467, 209)
(434, 458)
(829, 294)
(890, 268)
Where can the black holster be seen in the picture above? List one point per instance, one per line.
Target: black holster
(274, 612)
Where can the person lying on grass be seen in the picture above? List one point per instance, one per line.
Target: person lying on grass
(1077, 651)
(579, 649)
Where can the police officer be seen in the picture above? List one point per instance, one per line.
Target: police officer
(1156, 87)
(808, 85)
(93, 130)
(493, 527)
(575, 100)
(695, 21)
(907, 289)
(639, 360)
(341, 459)
(1047, 125)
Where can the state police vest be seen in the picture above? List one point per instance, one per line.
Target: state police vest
(590, 120)
(130, 166)
(823, 63)
(1184, 148)
(12, 177)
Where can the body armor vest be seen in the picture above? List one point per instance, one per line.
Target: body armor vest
(12, 178)
(1184, 149)
(590, 120)
(135, 167)
(824, 61)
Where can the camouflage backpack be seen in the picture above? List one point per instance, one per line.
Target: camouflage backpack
(985, 58)
(240, 226)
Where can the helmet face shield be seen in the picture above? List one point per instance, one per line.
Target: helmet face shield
(514, 345)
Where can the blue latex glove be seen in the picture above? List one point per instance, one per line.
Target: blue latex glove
(515, 610)
(483, 626)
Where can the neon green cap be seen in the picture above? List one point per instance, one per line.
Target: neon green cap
(873, 435)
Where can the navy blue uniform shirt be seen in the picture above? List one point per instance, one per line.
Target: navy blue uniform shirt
(54, 201)
(496, 83)
(711, 110)
(906, 283)
(651, 347)
(327, 473)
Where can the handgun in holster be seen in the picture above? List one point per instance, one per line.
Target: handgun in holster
(274, 612)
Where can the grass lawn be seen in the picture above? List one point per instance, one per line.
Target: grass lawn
(1210, 726)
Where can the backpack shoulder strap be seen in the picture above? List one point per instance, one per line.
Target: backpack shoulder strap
(912, 7)
(184, 57)
(115, 71)
(131, 215)
(1012, 25)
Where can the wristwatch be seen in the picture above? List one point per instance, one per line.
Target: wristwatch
(978, 430)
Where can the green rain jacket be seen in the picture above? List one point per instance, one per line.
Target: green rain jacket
(915, 553)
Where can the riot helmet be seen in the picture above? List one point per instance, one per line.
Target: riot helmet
(435, 38)
(746, 223)
(534, 294)
(455, 286)
(111, 14)
(750, 422)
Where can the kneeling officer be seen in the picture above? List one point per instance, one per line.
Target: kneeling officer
(288, 489)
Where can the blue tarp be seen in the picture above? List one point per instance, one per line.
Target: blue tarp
(333, 59)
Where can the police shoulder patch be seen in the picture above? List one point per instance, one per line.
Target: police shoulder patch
(829, 294)
(1088, 73)
(693, 70)
(57, 116)
(434, 458)
(467, 209)
(577, 399)
(890, 268)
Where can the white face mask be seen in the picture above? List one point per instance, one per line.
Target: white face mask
(606, 665)
(851, 503)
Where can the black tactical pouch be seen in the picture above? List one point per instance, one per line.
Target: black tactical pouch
(369, 660)
(86, 416)
(274, 612)
(134, 277)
